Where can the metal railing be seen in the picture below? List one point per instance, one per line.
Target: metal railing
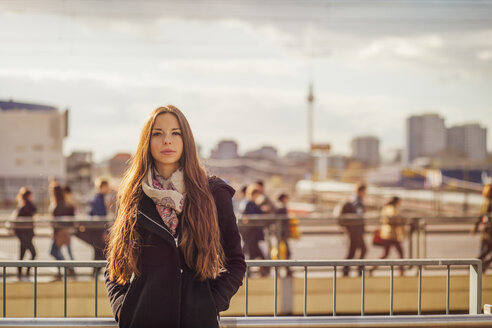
(475, 279)
(49, 264)
(287, 322)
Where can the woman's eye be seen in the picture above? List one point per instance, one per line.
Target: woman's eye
(176, 133)
(155, 134)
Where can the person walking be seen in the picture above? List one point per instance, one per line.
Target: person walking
(67, 191)
(284, 234)
(354, 227)
(96, 236)
(61, 231)
(253, 232)
(263, 201)
(392, 230)
(485, 220)
(174, 252)
(25, 231)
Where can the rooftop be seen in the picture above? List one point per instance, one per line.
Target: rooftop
(12, 105)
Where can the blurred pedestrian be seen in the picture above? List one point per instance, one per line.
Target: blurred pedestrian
(485, 220)
(354, 211)
(253, 234)
(241, 203)
(392, 230)
(61, 231)
(174, 251)
(263, 201)
(283, 243)
(96, 235)
(70, 205)
(25, 231)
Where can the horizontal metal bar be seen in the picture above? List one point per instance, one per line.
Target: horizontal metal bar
(315, 321)
(329, 263)
(53, 264)
(352, 321)
(58, 322)
(267, 263)
(316, 217)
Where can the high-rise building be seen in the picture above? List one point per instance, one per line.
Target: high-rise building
(226, 149)
(469, 140)
(31, 147)
(366, 150)
(425, 136)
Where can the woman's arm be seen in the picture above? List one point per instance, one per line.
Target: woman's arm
(227, 284)
(116, 294)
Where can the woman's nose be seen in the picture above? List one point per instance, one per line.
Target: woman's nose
(167, 139)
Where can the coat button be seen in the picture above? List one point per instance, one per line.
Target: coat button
(181, 270)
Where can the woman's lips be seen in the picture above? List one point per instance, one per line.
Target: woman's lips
(167, 152)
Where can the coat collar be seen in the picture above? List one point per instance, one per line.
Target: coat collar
(149, 218)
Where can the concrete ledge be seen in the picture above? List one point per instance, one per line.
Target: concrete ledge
(321, 321)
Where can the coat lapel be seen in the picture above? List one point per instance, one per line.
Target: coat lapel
(149, 218)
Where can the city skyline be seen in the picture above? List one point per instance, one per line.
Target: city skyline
(241, 70)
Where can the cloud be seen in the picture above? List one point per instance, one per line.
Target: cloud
(260, 66)
(409, 48)
(485, 55)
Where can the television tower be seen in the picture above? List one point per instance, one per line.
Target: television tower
(310, 99)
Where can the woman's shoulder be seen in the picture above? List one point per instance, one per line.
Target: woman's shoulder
(217, 185)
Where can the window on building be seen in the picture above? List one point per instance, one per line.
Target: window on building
(20, 148)
(20, 161)
(37, 147)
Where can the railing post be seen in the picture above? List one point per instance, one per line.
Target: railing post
(305, 291)
(363, 293)
(4, 278)
(96, 272)
(246, 292)
(410, 239)
(35, 291)
(335, 290)
(275, 291)
(475, 300)
(392, 275)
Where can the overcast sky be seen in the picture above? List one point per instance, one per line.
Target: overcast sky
(241, 69)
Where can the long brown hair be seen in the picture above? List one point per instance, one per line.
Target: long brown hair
(200, 239)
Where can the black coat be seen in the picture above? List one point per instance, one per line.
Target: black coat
(166, 293)
(25, 212)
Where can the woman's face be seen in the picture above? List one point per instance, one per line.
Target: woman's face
(166, 142)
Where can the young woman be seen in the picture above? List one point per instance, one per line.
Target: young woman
(174, 251)
(25, 231)
(485, 219)
(61, 231)
(392, 229)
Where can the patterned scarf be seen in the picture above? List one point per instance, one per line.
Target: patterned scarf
(167, 194)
